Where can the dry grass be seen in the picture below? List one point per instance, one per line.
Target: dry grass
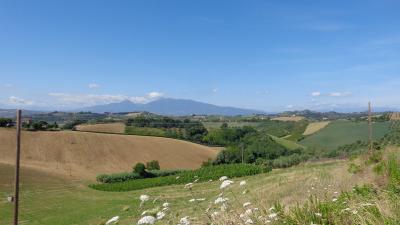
(85, 155)
(315, 127)
(115, 128)
(289, 118)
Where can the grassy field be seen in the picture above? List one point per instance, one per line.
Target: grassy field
(85, 155)
(115, 128)
(340, 133)
(315, 127)
(49, 200)
(291, 145)
(145, 131)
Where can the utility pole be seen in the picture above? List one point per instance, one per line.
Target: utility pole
(370, 127)
(16, 190)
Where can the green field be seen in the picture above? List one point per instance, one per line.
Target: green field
(145, 131)
(340, 133)
(291, 145)
(48, 200)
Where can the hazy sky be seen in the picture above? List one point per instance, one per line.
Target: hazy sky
(268, 55)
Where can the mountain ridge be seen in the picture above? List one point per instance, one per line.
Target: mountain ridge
(170, 106)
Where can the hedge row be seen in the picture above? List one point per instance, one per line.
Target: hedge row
(202, 174)
(121, 177)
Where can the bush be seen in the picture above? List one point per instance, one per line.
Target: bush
(288, 161)
(202, 174)
(153, 165)
(140, 169)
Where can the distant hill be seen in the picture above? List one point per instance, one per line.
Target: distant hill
(11, 113)
(169, 106)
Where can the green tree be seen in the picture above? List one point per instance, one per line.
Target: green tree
(153, 165)
(140, 169)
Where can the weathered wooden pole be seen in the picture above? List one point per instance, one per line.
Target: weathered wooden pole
(16, 188)
(370, 127)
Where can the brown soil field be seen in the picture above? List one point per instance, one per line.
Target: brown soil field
(395, 116)
(116, 128)
(289, 118)
(315, 127)
(82, 155)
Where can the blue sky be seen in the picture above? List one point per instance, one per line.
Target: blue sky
(268, 55)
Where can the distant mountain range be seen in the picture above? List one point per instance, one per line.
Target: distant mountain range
(169, 106)
(11, 113)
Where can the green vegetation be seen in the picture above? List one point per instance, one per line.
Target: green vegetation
(291, 145)
(153, 165)
(202, 175)
(5, 122)
(166, 127)
(121, 177)
(291, 130)
(40, 126)
(340, 133)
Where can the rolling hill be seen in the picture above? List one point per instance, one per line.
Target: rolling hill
(85, 155)
(169, 106)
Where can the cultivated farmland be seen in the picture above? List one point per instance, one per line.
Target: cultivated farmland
(315, 127)
(114, 128)
(344, 132)
(84, 155)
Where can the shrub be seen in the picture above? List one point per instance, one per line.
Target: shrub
(140, 169)
(121, 177)
(153, 165)
(287, 161)
(354, 168)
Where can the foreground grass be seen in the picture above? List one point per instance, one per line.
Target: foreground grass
(48, 200)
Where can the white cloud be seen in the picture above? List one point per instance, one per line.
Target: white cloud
(13, 100)
(339, 94)
(316, 94)
(92, 99)
(93, 85)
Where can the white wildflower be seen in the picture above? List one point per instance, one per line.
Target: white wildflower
(192, 200)
(225, 184)
(160, 215)
(246, 204)
(113, 220)
(184, 221)
(272, 215)
(248, 212)
(200, 199)
(165, 205)
(354, 212)
(223, 178)
(242, 183)
(215, 214)
(249, 221)
(147, 220)
(318, 214)
(195, 181)
(220, 200)
(189, 186)
(271, 209)
(177, 177)
(244, 192)
(144, 198)
(334, 200)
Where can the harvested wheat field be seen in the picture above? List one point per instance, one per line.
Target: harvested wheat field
(289, 118)
(115, 128)
(85, 155)
(395, 116)
(315, 127)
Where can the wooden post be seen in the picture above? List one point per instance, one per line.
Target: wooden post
(16, 190)
(370, 127)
